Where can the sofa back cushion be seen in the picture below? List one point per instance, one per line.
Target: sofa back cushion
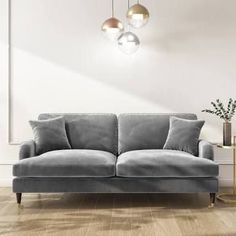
(49, 135)
(89, 131)
(145, 131)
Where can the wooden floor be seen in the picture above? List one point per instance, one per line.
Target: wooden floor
(114, 214)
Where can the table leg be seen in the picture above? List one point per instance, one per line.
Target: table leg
(234, 167)
(231, 197)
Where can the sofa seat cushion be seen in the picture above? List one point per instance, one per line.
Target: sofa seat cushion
(67, 163)
(164, 163)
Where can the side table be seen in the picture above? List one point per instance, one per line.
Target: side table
(230, 197)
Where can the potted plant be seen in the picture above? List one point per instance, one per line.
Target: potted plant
(226, 113)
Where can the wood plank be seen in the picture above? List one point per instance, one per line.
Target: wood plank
(120, 224)
(163, 216)
(142, 218)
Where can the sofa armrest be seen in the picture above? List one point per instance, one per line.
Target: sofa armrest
(205, 150)
(27, 149)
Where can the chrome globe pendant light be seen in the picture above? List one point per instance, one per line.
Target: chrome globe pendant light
(137, 15)
(128, 42)
(112, 27)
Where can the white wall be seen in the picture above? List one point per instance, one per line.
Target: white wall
(62, 63)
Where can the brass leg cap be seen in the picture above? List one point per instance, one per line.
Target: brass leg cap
(20, 206)
(211, 205)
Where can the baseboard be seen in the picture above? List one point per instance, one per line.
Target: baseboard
(5, 182)
(225, 182)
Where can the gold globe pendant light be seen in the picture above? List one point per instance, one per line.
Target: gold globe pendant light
(112, 27)
(137, 15)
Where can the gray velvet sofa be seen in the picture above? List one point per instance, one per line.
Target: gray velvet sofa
(113, 154)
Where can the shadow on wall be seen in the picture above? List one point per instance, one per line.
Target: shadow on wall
(187, 55)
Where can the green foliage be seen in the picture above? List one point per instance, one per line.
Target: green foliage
(225, 113)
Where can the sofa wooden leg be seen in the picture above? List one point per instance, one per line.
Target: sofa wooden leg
(212, 199)
(18, 197)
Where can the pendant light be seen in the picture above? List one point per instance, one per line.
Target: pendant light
(137, 15)
(128, 42)
(112, 27)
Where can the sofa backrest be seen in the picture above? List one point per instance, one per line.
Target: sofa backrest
(145, 131)
(90, 131)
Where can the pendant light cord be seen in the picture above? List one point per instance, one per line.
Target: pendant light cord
(128, 26)
(112, 8)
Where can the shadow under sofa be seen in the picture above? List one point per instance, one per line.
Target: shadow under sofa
(113, 154)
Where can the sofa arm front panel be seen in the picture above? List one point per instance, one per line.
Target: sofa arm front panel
(205, 150)
(27, 149)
